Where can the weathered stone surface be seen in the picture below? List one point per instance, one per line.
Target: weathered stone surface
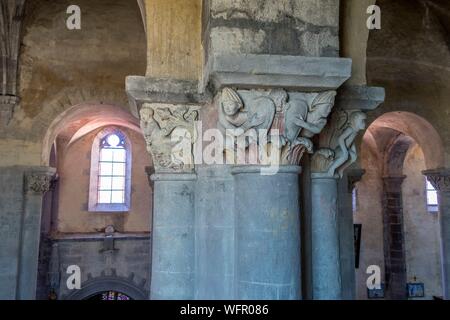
(280, 71)
(12, 13)
(131, 257)
(267, 213)
(360, 97)
(158, 90)
(307, 28)
(173, 245)
(325, 251)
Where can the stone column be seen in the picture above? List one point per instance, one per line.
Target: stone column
(335, 152)
(169, 133)
(394, 248)
(215, 239)
(37, 182)
(440, 179)
(172, 275)
(346, 232)
(327, 283)
(267, 212)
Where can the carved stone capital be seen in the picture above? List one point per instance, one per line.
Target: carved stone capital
(337, 150)
(274, 120)
(354, 176)
(169, 131)
(439, 178)
(39, 181)
(393, 183)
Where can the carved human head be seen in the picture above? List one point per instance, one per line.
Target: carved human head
(358, 120)
(230, 101)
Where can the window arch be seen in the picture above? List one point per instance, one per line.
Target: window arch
(110, 176)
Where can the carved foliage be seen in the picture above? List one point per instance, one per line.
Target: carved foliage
(39, 182)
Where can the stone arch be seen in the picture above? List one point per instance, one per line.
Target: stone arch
(389, 139)
(100, 284)
(94, 114)
(419, 129)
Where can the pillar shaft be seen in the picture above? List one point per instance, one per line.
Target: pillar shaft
(173, 236)
(214, 234)
(268, 233)
(440, 179)
(394, 245)
(327, 284)
(346, 232)
(37, 182)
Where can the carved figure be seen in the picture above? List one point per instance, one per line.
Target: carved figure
(341, 136)
(303, 120)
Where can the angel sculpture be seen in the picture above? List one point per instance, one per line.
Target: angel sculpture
(341, 136)
(304, 119)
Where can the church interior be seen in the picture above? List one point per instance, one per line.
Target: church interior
(121, 176)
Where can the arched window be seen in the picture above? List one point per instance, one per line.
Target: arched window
(110, 181)
(432, 199)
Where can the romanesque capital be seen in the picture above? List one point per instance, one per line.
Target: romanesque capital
(336, 149)
(439, 178)
(353, 176)
(169, 132)
(273, 120)
(40, 181)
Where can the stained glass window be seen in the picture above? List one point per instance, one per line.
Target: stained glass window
(112, 170)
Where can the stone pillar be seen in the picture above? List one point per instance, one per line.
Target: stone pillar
(37, 182)
(440, 179)
(335, 152)
(394, 248)
(327, 283)
(268, 233)
(172, 275)
(169, 133)
(346, 232)
(215, 223)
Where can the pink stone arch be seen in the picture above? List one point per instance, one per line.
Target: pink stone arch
(418, 129)
(93, 116)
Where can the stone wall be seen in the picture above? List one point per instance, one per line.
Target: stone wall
(74, 170)
(11, 206)
(304, 27)
(420, 228)
(60, 68)
(130, 260)
(422, 242)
